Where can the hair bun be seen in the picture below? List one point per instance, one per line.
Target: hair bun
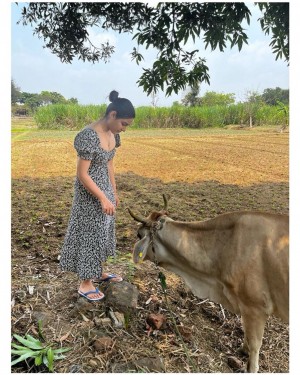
(113, 96)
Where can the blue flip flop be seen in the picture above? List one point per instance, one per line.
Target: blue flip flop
(109, 277)
(96, 291)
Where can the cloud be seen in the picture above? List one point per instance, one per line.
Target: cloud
(256, 52)
(101, 37)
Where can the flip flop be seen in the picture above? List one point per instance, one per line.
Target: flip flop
(96, 291)
(109, 277)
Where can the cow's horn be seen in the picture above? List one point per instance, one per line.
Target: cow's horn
(138, 218)
(165, 202)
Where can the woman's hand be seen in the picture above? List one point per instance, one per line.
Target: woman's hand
(107, 207)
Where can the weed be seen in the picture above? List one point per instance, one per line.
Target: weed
(35, 349)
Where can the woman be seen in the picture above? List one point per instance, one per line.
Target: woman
(90, 236)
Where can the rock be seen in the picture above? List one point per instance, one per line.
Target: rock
(93, 363)
(117, 319)
(44, 316)
(234, 363)
(150, 364)
(121, 296)
(103, 343)
(145, 364)
(156, 321)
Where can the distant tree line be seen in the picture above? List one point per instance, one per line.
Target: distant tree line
(253, 102)
(27, 103)
(269, 96)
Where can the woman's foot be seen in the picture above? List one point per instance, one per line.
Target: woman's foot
(110, 277)
(87, 290)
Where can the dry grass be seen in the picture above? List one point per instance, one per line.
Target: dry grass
(232, 157)
(205, 173)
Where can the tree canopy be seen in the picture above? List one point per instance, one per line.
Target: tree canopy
(15, 92)
(166, 27)
(33, 100)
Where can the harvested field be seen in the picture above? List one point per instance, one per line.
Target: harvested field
(205, 172)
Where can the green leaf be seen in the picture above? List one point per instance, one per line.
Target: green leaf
(50, 357)
(19, 346)
(20, 352)
(162, 279)
(40, 323)
(61, 350)
(45, 360)
(27, 343)
(32, 339)
(23, 357)
(59, 356)
(38, 360)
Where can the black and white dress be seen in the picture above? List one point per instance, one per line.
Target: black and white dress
(90, 238)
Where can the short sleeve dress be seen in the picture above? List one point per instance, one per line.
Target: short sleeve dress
(90, 238)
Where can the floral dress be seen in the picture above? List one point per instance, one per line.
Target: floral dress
(90, 237)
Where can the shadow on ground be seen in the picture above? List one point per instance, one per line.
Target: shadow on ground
(40, 212)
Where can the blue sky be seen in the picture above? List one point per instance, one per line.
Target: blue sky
(36, 69)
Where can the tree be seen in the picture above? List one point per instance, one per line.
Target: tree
(191, 99)
(253, 101)
(214, 98)
(15, 92)
(73, 101)
(285, 109)
(272, 96)
(48, 97)
(276, 20)
(31, 100)
(166, 27)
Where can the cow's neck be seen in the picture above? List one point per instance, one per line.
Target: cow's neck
(178, 245)
(190, 253)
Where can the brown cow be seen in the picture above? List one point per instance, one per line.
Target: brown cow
(239, 260)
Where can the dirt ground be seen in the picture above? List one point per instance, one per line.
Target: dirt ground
(206, 175)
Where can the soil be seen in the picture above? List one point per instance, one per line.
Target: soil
(40, 212)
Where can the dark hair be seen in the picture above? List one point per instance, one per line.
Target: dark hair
(122, 106)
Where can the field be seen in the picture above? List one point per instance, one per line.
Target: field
(205, 173)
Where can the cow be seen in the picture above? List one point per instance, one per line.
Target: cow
(237, 259)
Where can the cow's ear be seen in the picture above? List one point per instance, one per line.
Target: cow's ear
(140, 249)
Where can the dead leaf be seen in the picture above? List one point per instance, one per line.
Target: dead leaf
(64, 337)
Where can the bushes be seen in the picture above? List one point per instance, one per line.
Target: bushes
(67, 116)
(75, 117)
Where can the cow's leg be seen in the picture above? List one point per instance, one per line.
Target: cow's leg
(244, 349)
(253, 324)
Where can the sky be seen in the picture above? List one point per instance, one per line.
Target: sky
(35, 69)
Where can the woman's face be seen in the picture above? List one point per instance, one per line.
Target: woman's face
(118, 125)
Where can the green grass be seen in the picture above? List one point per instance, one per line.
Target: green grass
(75, 116)
(26, 129)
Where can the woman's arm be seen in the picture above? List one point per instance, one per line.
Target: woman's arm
(91, 186)
(111, 173)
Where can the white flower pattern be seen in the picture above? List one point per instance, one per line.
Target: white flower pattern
(90, 238)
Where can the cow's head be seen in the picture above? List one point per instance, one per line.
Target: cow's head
(143, 249)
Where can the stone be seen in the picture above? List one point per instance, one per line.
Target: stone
(150, 364)
(103, 343)
(234, 363)
(121, 296)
